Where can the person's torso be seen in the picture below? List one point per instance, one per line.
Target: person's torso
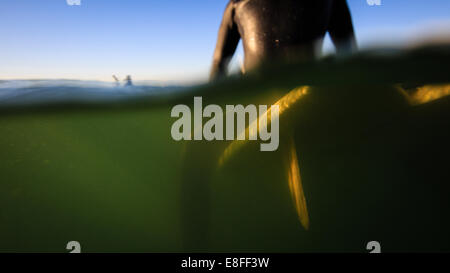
(288, 29)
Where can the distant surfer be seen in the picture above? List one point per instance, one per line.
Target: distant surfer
(117, 81)
(286, 30)
(128, 81)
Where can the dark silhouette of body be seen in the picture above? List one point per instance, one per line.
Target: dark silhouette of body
(286, 30)
(128, 81)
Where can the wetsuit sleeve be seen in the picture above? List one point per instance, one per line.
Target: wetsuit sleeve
(227, 42)
(340, 28)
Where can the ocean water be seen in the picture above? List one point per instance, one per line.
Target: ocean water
(33, 92)
(95, 163)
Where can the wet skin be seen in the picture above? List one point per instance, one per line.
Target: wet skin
(287, 30)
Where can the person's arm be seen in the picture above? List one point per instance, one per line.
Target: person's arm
(227, 42)
(340, 28)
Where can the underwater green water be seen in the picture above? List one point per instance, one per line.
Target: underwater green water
(373, 167)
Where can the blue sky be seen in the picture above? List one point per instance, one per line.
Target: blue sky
(163, 40)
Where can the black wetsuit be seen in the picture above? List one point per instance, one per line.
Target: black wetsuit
(281, 29)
